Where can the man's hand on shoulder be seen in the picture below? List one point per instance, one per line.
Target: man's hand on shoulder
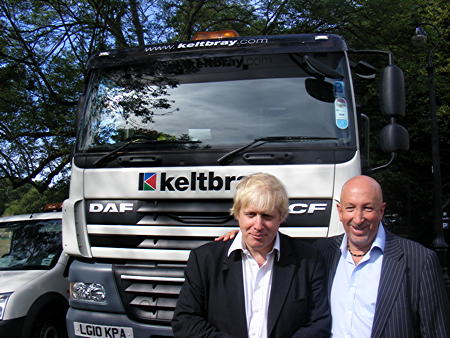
(228, 236)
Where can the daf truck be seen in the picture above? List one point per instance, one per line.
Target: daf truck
(166, 131)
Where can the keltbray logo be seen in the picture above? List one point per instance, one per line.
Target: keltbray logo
(193, 182)
(147, 181)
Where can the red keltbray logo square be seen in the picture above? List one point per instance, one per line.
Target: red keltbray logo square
(147, 181)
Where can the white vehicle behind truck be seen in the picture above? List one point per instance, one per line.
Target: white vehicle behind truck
(33, 285)
(165, 132)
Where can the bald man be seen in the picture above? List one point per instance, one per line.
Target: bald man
(381, 285)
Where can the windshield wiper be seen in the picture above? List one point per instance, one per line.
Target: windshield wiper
(226, 159)
(139, 139)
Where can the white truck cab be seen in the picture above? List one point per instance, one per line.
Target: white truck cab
(33, 285)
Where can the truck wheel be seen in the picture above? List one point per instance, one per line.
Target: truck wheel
(50, 325)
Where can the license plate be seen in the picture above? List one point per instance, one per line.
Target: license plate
(102, 331)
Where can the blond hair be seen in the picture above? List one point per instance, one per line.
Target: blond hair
(263, 192)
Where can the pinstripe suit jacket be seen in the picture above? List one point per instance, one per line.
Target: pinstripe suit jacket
(411, 300)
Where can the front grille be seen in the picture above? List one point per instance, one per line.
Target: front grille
(155, 229)
(149, 292)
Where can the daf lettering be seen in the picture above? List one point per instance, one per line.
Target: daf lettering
(302, 208)
(110, 207)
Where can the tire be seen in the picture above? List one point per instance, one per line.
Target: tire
(50, 325)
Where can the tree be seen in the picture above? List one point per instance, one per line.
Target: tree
(26, 199)
(44, 49)
(37, 106)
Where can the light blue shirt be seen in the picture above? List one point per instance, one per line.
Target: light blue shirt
(354, 292)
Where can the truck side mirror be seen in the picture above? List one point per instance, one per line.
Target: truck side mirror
(393, 138)
(393, 91)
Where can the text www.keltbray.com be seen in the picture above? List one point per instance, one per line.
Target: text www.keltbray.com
(206, 43)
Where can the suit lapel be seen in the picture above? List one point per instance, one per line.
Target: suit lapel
(234, 291)
(392, 276)
(283, 271)
(333, 257)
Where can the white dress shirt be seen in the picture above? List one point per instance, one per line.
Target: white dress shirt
(355, 289)
(257, 286)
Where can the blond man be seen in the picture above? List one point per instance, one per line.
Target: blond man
(261, 284)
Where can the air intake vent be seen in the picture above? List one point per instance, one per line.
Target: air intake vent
(155, 230)
(149, 292)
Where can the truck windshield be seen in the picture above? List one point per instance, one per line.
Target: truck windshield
(27, 245)
(216, 102)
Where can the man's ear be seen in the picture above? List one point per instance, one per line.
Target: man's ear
(339, 209)
(382, 208)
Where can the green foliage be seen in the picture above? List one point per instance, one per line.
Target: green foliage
(9, 194)
(27, 199)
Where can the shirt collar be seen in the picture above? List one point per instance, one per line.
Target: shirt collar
(238, 244)
(379, 241)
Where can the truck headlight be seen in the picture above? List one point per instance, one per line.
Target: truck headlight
(3, 300)
(92, 292)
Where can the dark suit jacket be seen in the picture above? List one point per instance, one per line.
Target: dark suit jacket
(211, 302)
(411, 300)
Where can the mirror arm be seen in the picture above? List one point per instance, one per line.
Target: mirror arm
(389, 54)
(393, 157)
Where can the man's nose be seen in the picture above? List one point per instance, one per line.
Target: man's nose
(358, 217)
(259, 222)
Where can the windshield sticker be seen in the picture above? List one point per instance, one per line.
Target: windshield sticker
(341, 113)
(339, 89)
(207, 43)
